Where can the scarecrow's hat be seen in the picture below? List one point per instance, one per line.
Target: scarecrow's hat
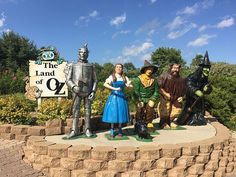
(147, 65)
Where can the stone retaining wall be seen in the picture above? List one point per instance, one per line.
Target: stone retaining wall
(52, 127)
(213, 157)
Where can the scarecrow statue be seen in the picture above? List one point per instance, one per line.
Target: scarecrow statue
(146, 94)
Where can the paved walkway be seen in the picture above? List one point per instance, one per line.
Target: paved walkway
(11, 163)
(190, 134)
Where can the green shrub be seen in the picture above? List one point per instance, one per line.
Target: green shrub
(222, 101)
(100, 101)
(16, 109)
(51, 108)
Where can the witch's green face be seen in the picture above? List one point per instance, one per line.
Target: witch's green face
(206, 71)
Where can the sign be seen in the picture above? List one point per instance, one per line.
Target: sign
(49, 77)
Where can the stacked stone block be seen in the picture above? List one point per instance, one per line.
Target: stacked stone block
(213, 157)
(54, 127)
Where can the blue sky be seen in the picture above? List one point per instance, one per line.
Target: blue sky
(126, 30)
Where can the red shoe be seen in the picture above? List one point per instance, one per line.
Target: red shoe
(120, 133)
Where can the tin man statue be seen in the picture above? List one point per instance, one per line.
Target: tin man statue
(81, 78)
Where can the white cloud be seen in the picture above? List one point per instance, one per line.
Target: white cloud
(85, 19)
(151, 32)
(179, 26)
(207, 3)
(2, 24)
(225, 23)
(182, 31)
(136, 50)
(7, 30)
(201, 41)
(118, 20)
(191, 10)
(176, 23)
(2, 20)
(93, 14)
(119, 59)
(146, 56)
(153, 1)
(120, 32)
(202, 28)
(176, 34)
(149, 28)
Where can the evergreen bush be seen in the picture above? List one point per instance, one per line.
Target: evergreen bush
(222, 101)
(12, 82)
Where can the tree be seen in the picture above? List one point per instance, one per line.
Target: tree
(98, 68)
(129, 66)
(164, 56)
(1, 55)
(196, 61)
(222, 101)
(15, 51)
(106, 71)
(130, 70)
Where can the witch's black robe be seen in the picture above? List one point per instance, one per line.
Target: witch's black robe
(195, 81)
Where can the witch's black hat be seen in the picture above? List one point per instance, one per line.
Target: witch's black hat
(147, 65)
(205, 62)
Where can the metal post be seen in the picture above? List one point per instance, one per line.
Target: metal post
(39, 100)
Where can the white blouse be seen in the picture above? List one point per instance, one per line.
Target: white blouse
(109, 80)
